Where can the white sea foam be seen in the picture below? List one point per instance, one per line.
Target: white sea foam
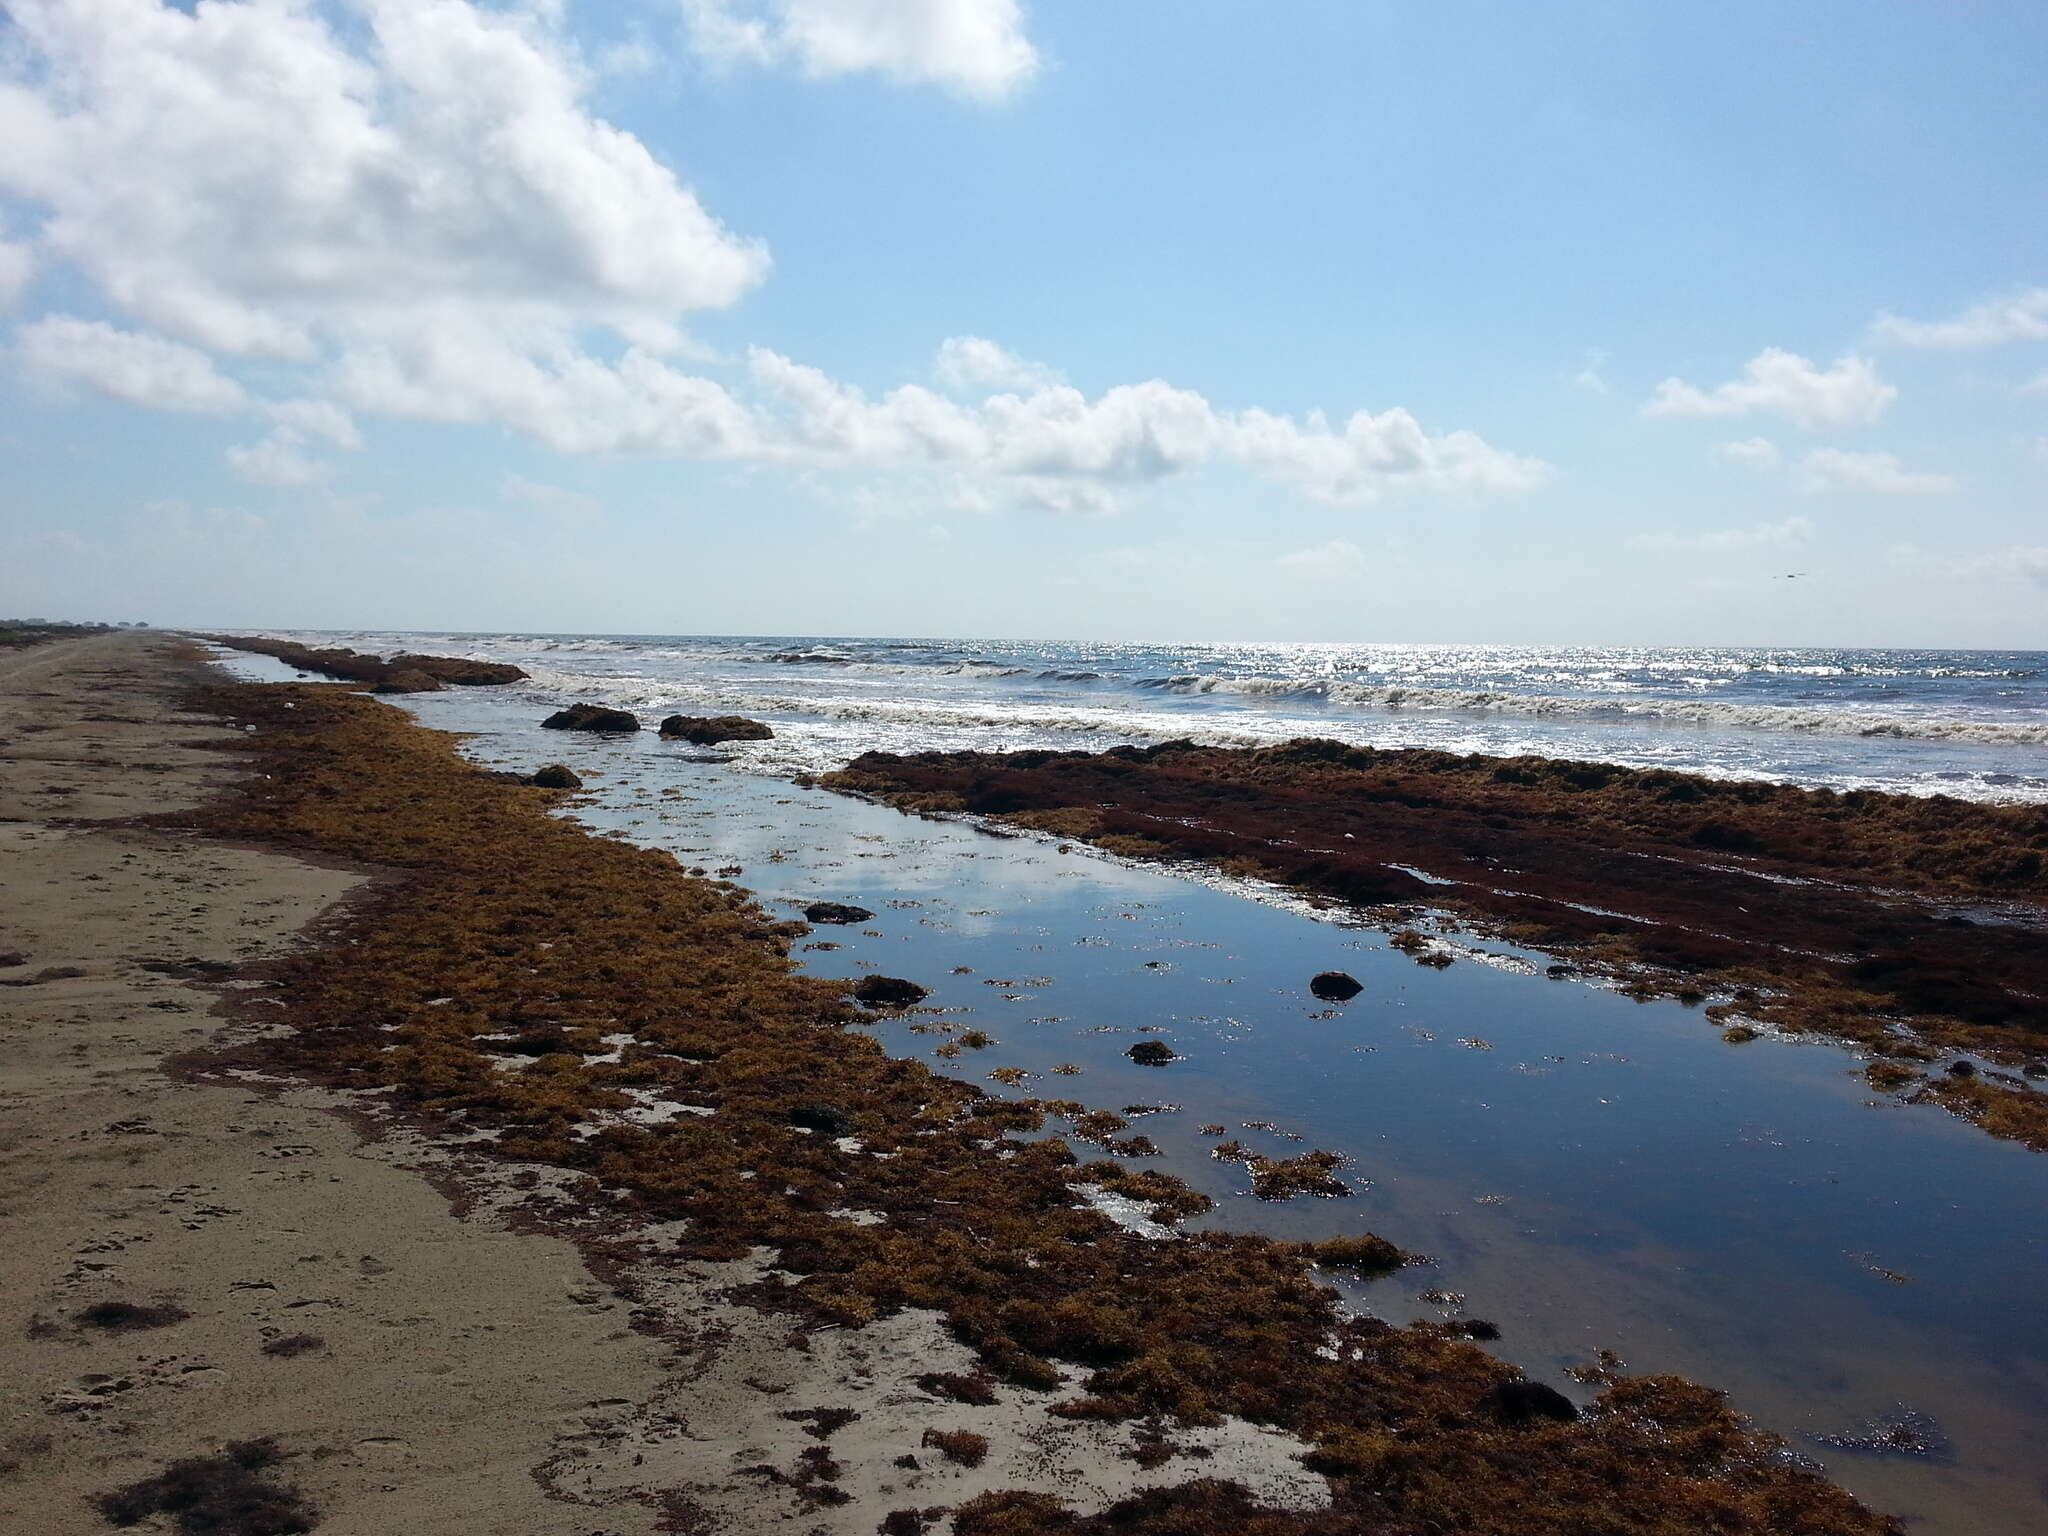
(1768, 717)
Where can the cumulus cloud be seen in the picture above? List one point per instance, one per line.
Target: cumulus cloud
(1759, 452)
(17, 270)
(2019, 317)
(1793, 530)
(127, 365)
(1831, 469)
(970, 365)
(414, 215)
(1370, 454)
(323, 419)
(1780, 383)
(1133, 434)
(250, 179)
(974, 47)
(276, 461)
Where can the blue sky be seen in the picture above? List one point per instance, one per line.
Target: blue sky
(1311, 321)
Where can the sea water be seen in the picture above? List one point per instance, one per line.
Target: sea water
(1972, 724)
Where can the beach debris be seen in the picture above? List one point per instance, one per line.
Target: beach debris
(1524, 1402)
(836, 912)
(409, 681)
(461, 671)
(591, 717)
(291, 1345)
(1152, 1053)
(556, 776)
(827, 1118)
(230, 1492)
(1367, 1254)
(820, 1423)
(129, 1316)
(889, 992)
(710, 730)
(357, 667)
(978, 1390)
(1335, 987)
(958, 1445)
(1312, 1173)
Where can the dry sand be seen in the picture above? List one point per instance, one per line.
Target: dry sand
(468, 1377)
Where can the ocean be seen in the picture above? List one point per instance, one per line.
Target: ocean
(1971, 724)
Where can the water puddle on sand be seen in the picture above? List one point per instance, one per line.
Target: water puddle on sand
(1588, 1173)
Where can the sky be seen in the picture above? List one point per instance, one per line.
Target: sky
(1175, 320)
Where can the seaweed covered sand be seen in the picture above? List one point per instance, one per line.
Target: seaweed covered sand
(543, 992)
(1913, 927)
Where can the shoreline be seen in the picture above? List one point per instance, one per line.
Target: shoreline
(852, 1267)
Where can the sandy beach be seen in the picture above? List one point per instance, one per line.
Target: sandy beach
(259, 1214)
(389, 1265)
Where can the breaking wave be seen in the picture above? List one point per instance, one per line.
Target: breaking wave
(1768, 717)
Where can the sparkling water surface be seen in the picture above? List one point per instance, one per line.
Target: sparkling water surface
(1973, 724)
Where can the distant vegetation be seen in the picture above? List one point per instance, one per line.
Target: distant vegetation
(16, 634)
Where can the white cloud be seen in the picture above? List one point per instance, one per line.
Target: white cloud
(1056, 438)
(1780, 383)
(1759, 452)
(303, 419)
(1339, 558)
(1369, 455)
(2021, 317)
(975, 47)
(247, 178)
(970, 365)
(126, 365)
(17, 271)
(1589, 376)
(1831, 469)
(415, 216)
(276, 461)
(1793, 530)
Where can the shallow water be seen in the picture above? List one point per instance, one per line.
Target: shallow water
(1586, 1171)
